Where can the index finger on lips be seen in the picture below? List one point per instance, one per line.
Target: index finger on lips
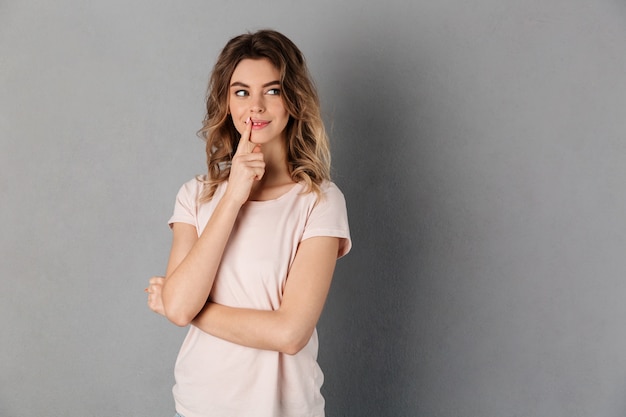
(243, 147)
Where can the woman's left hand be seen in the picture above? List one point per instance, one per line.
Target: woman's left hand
(154, 290)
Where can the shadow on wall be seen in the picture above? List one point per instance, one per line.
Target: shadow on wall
(370, 325)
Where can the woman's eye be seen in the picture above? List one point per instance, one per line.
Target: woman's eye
(273, 92)
(241, 93)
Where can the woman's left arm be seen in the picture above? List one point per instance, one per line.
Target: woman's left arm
(289, 328)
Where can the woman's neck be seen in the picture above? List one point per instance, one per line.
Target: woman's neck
(276, 165)
(276, 180)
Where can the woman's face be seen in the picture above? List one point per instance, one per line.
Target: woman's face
(255, 93)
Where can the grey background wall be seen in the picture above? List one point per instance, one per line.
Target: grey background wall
(481, 148)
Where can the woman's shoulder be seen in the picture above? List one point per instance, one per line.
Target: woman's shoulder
(329, 185)
(194, 187)
(328, 195)
(330, 189)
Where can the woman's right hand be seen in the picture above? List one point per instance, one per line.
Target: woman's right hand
(247, 167)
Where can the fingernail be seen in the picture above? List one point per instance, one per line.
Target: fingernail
(247, 120)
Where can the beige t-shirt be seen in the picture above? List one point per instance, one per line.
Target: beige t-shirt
(217, 378)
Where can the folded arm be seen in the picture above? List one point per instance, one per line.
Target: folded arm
(289, 328)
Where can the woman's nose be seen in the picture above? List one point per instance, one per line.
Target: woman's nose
(257, 105)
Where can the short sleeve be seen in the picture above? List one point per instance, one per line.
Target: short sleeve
(329, 217)
(186, 206)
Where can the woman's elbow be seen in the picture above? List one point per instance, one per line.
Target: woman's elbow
(177, 310)
(295, 340)
(178, 316)
(179, 320)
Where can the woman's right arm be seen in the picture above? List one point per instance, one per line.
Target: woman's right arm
(193, 264)
(194, 260)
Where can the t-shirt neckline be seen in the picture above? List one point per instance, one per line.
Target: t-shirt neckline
(277, 199)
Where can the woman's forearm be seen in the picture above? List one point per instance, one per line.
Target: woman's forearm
(259, 329)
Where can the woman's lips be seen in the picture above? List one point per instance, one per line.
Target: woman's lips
(259, 124)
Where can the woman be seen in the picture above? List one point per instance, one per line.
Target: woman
(255, 241)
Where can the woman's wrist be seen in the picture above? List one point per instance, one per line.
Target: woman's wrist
(231, 202)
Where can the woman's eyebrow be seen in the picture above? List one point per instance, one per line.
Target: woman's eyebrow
(240, 84)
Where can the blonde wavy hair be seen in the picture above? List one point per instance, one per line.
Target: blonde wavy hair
(308, 152)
